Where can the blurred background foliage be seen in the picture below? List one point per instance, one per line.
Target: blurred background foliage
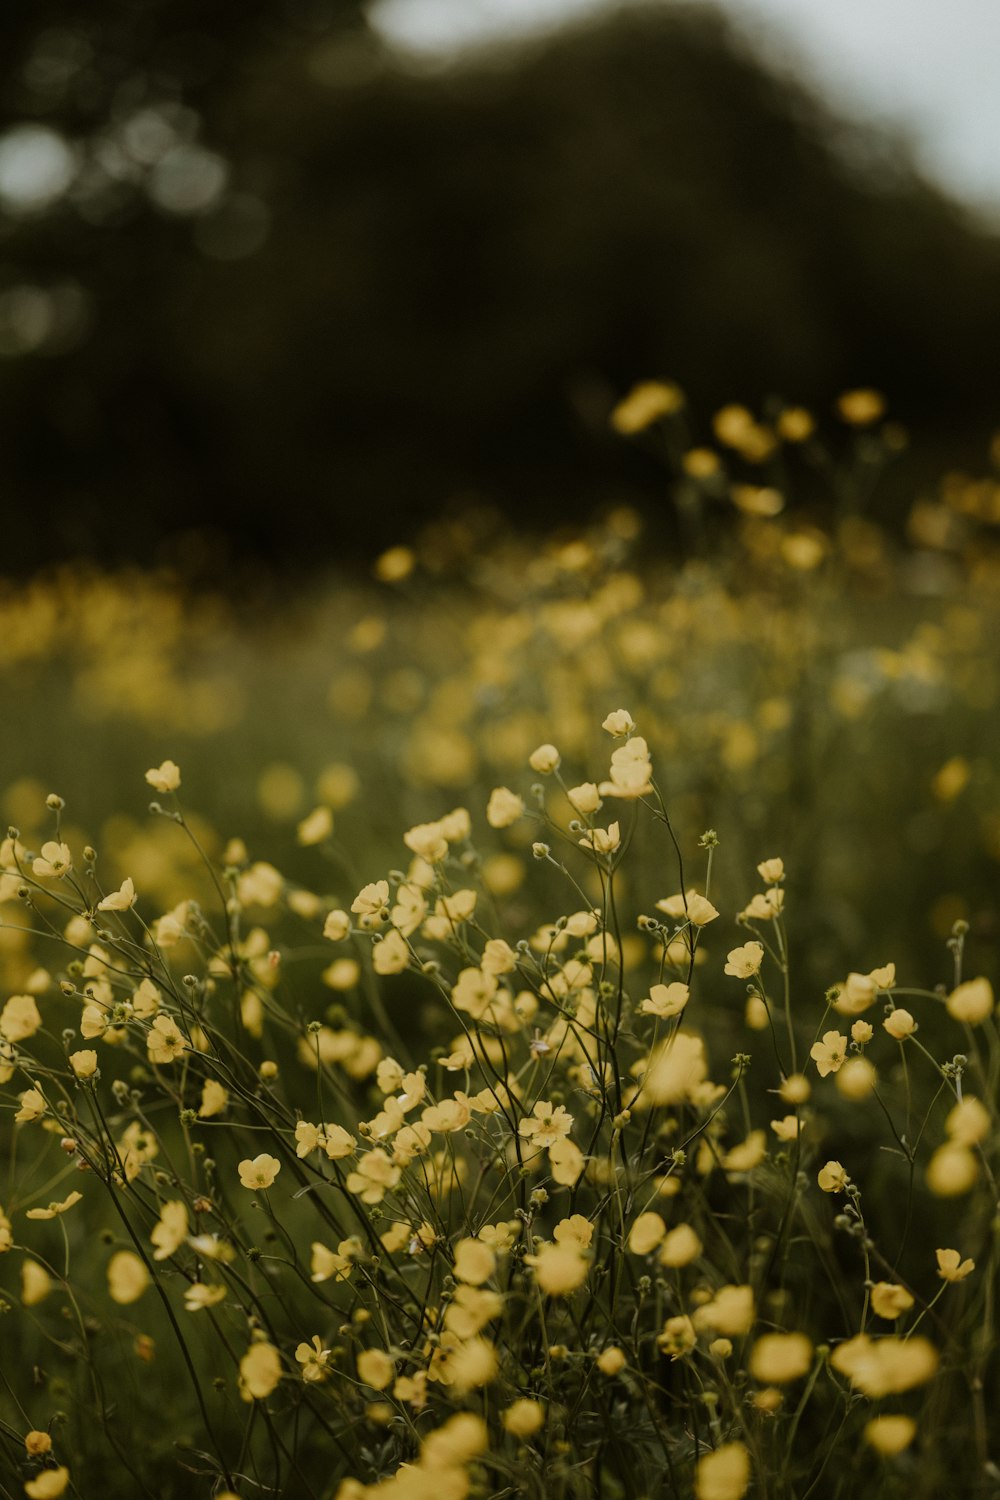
(268, 291)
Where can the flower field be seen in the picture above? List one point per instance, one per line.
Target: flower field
(521, 1024)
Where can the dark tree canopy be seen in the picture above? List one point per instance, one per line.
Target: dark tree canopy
(290, 292)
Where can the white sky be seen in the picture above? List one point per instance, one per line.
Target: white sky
(928, 67)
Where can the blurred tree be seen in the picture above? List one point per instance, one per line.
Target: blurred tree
(256, 277)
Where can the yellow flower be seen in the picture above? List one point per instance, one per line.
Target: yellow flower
(164, 1040)
(795, 1089)
(371, 904)
(665, 1000)
(37, 1443)
(889, 1300)
(315, 828)
(84, 1063)
(474, 1261)
(337, 926)
(631, 771)
(48, 1485)
(968, 1122)
(170, 1232)
(375, 1368)
(36, 1283)
(523, 1417)
(745, 961)
(861, 407)
(780, 1357)
(165, 777)
(699, 910)
(611, 1361)
(952, 1171)
(788, 1128)
(127, 1277)
(575, 1228)
(602, 840)
(619, 723)
(747, 1155)
(259, 1173)
(33, 1106)
(645, 404)
(771, 870)
(890, 1434)
(829, 1054)
(544, 760)
(54, 862)
(121, 900)
(951, 1267)
(832, 1178)
(260, 1371)
(19, 1018)
(971, 1002)
(680, 1247)
(900, 1024)
(55, 1209)
(856, 1079)
(338, 1143)
(214, 1098)
(795, 424)
(862, 1033)
(723, 1474)
(731, 1311)
(678, 1336)
(503, 808)
(200, 1295)
(335, 1265)
(473, 1365)
(314, 1359)
(390, 955)
(885, 1366)
(585, 798)
(546, 1124)
(559, 1268)
(376, 1174)
(676, 1069)
(395, 564)
(646, 1233)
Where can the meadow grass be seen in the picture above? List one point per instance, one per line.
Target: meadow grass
(457, 1083)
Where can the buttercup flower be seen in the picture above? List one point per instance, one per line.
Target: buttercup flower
(503, 808)
(971, 1002)
(121, 900)
(20, 1018)
(832, 1178)
(48, 1485)
(544, 760)
(55, 1209)
(745, 961)
(54, 862)
(951, 1267)
(127, 1277)
(164, 778)
(723, 1474)
(665, 1000)
(890, 1434)
(260, 1172)
(619, 723)
(260, 1371)
(169, 1234)
(780, 1357)
(164, 1040)
(889, 1300)
(900, 1024)
(829, 1054)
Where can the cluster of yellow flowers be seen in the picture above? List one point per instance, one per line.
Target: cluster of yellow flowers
(531, 1161)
